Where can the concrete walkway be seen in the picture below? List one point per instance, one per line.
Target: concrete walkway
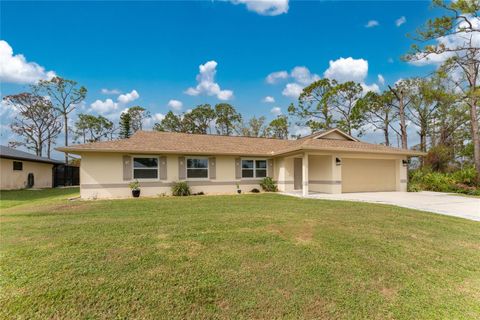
(436, 202)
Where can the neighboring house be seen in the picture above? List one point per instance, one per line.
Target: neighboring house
(330, 162)
(20, 170)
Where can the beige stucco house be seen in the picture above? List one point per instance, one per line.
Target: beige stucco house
(16, 166)
(329, 162)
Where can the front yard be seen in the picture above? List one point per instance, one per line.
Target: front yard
(242, 256)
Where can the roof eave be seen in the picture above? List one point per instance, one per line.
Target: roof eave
(411, 153)
(129, 151)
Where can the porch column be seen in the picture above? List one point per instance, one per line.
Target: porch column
(305, 174)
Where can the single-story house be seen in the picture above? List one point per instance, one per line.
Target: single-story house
(20, 170)
(329, 162)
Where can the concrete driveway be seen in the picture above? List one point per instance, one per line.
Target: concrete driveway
(436, 202)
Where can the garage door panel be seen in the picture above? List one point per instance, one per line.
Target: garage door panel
(368, 175)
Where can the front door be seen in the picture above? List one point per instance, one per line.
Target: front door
(297, 174)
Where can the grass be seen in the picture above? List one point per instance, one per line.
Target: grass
(223, 257)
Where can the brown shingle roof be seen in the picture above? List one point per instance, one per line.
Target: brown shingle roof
(184, 143)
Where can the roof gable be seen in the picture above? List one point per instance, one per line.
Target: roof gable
(333, 134)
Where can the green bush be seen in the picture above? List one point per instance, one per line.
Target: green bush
(268, 185)
(460, 181)
(465, 176)
(180, 189)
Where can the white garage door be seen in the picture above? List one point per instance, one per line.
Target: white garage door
(365, 175)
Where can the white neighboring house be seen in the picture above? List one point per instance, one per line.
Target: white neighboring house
(20, 170)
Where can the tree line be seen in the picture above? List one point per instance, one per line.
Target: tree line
(442, 106)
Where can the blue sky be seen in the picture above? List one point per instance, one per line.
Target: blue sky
(156, 48)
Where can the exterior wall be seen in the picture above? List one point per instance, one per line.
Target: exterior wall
(323, 174)
(101, 176)
(284, 173)
(16, 179)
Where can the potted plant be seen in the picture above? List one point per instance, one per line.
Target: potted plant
(238, 189)
(135, 186)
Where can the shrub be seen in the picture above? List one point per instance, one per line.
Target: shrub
(254, 190)
(134, 185)
(466, 176)
(181, 189)
(438, 158)
(268, 185)
(460, 181)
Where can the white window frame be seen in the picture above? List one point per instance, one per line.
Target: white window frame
(145, 179)
(186, 168)
(254, 168)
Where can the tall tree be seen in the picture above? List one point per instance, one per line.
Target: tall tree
(65, 96)
(199, 120)
(125, 125)
(402, 93)
(90, 128)
(278, 128)
(171, 123)
(379, 112)
(255, 127)
(313, 107)
(227, 118)
(137, 116)
(455, 36)
(36, 121)
(343, 99)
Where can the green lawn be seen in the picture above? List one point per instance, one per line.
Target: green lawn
(242, 256)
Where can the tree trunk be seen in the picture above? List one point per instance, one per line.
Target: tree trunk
(49, 146)
(475, 136)
(387, 140)
(65, 123)
(423, 140)
(39, 145)
(403, 126)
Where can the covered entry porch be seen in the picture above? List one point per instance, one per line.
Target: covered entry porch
(335, 173)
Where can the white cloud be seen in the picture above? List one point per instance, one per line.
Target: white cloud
(370, 87)
(300, 130)
(158, 117)
(276, 111)
(175, 104)
(265, 7)
(303, 76)
(16, 69)
(108, 106)
(400, 21)
(347, 69)
(381, 79)
(372, 23)
(269, 99)
(274, 77)
(128, 97)
(110, 91)
(458, 40)
(206, 83)
(292, 90)
(104, 107)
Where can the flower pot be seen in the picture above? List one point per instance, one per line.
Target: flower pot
(239, 191)
(136, 193)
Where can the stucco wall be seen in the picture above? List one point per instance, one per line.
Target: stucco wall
(101, 176)
(16, 179)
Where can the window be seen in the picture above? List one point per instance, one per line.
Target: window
(17, 165)
(254, 168)
(145, 168)
(197, 168)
